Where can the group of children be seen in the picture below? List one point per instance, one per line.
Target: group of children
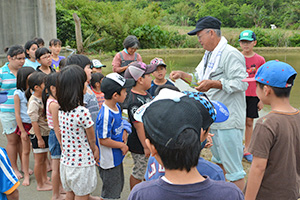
(61, 106)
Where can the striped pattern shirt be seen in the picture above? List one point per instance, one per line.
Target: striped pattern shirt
(8, 179)
(8, 82)
(49, 115)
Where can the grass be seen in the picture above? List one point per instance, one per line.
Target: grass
(232, 34)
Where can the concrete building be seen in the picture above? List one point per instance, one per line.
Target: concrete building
(22, 20)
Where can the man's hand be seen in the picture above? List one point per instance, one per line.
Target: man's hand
(205, 85)
(174, 75)
(209, 141)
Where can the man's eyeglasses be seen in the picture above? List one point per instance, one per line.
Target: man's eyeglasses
(199, 36)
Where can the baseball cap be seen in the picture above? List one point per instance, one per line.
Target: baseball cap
(247, 35)
(3, 97)
(113, 82)
(157, 62)
(171, 112)
(276, 74)
(97, 64)
(137, 69)
(206, 22)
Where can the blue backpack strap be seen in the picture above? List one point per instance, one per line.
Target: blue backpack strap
(135, 56)
(122, 58)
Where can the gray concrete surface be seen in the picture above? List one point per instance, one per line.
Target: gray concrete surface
(22, 20)
(30, 192)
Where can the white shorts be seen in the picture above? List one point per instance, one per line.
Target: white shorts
(8, 121)
(80, 180)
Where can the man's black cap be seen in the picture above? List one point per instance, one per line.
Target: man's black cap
(206, 22)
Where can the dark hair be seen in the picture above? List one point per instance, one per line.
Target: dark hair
(36, 78)
(22, 76)
(168, 86)
(28, 46)
(131, 41)
(281, 92)
(69, 87)
(62, 63)
(41, 51)
(108, 95)
(185, 156)
(50, 80)
(40, 41)
(14, 50)
(96, 77)
(80, 60)
(54, 42)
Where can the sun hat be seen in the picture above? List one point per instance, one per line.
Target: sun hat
(158, 62)
(97, 64)
(247, 35)
(171, 112)
(206, 22)
(274, 73)
(3, 97)
(137, 69)
(114, 82)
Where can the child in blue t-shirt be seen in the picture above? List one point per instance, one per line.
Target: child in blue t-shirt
(159, 74)
(55, 47)
(109, 134)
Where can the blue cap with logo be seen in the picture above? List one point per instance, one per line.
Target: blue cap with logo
(276, 74)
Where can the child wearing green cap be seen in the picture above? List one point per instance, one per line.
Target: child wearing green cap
(247, 40)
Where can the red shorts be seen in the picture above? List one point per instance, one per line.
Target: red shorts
(27, 127)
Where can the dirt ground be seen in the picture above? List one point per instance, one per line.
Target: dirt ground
(30, 192)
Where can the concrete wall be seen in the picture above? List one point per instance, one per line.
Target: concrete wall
(22, 20)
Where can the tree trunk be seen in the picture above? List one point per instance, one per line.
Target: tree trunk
(78, 33)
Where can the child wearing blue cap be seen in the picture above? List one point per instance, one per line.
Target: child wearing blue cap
(275, 142)
(247, 40)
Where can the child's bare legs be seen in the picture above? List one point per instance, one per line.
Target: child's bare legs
(56, 180)
(94, 198)
(13, 141)
(40, 171)
(25, 159)
(248, 133)
(72, 196)
(49, 163)
(239, 183)
(133, 181)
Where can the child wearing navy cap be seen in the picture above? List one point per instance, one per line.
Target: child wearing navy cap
(275, 143)
(175, 125)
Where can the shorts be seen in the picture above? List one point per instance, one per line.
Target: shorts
(113, 182)
(8, 121)
(80, 180)
(140, 165)
(252, 110)
(35, 147)
(54, 145)
(26, 126)
(227, 150)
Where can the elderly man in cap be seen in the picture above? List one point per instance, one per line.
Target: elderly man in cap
(220, 74)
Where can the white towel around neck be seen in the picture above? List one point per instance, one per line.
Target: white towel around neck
(213, 62)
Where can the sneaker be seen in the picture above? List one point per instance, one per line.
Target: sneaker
(248, 157)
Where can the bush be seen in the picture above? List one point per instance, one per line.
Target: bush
(295, 40)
